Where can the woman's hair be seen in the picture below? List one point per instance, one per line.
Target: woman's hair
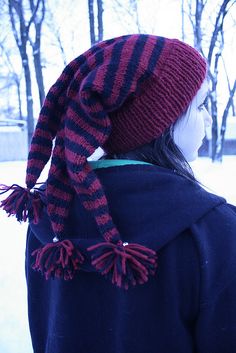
(162, 152)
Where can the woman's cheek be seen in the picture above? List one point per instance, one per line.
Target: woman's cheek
(189, 133)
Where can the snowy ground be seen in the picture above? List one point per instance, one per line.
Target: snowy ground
(218, 178)
(14, 332)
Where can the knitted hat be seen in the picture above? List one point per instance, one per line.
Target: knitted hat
(120, 94)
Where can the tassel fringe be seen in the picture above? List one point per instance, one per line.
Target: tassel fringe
(58, 260)
(21, 203)
(125, 264)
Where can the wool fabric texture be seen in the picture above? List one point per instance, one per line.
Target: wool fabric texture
(120, 94)
(189, 306)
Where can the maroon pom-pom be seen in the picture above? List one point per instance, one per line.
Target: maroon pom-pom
(60, 259)
(21, 203)
(126, 264)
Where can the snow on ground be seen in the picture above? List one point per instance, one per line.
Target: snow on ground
(216, 177)
(14, 331)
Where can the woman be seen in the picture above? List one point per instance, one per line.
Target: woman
(135, 256)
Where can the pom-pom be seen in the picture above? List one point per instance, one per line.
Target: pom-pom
(126, 264)
(21, 203)
(60, 259)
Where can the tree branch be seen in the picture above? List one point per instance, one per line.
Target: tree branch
(32, 17)
(228, 83)
(229, 103)
(13, 24)
(222, 12)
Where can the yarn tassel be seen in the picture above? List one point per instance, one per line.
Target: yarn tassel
(126, 264)
(21, 203)
(60, 259)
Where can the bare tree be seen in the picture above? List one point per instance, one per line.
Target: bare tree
(224, 120)
(211, 45)
(91, 21)
(21, 28)
(100, 19)
(229, 88)
(95, 37)
(21, 37)
(38, 14)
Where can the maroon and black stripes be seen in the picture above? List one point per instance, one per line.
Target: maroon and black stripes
(119, 94)
(93, 86)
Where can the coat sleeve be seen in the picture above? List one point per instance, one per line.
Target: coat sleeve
(215, 236)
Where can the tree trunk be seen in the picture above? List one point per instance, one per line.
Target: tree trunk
(20, 29)
(21, 36)
(29, 98)
(91, 21)
(94, 38)
(217, 28)
(214, 120)
(39, 75)
(197, 29)
(100, 19)
(224, 121)
(38, 12)
(17, 81)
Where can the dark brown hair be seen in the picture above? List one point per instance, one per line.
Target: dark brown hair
(162, 152)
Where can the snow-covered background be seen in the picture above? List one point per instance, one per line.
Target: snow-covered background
(216, 177)
(14, 331)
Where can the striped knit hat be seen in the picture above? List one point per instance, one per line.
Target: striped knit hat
(120, 94)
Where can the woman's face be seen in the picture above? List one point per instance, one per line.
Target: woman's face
(189, 130)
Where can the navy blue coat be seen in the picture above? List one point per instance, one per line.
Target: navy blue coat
(188, 306)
